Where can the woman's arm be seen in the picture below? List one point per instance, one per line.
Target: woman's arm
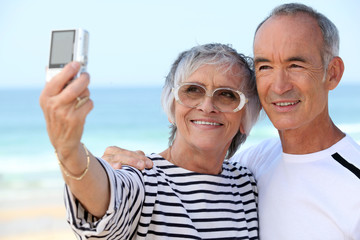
(65, 124)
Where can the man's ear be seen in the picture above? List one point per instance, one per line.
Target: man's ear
(334, 72)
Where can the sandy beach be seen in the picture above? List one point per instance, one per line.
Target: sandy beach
(36, 215)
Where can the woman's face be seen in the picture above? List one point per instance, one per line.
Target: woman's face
(205, 128)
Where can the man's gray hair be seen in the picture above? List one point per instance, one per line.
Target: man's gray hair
(329, 31)
(224, 57)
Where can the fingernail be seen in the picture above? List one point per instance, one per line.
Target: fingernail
(149, 163)
(140, 165)
(75, 65)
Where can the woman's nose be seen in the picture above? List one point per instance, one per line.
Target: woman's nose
(207, 105)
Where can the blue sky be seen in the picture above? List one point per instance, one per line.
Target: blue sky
(134, 42)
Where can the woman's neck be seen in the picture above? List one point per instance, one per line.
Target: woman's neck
(207, 162)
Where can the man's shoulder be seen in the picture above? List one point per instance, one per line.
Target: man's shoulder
(348, 149)
(349, 141)
(265, 147)
(255, 156)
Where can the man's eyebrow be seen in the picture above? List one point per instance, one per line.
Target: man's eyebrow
(296, 59)
(260, 60)
(290, 59)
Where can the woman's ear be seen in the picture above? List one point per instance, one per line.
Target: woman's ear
(334, 72)
(171, 122)
(242, 129)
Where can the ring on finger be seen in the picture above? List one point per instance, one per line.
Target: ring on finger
(81, 101)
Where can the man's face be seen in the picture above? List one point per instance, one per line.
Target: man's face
(290, 73)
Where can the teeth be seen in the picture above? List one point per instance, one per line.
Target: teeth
(284, 104)
(207, 123)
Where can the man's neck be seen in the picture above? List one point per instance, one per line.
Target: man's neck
(310, 139)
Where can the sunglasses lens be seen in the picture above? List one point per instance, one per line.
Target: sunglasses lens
(223, 99)
(226, 100)
(191, 95)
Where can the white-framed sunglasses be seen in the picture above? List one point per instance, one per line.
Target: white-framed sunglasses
(223, 99)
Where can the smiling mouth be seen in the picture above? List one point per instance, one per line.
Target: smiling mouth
(285, 104)
(207, 123)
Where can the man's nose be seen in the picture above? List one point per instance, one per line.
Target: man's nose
(281, 82)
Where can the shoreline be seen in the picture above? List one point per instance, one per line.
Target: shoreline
(39, 215)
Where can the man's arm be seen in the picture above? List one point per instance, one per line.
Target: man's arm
(117, 157)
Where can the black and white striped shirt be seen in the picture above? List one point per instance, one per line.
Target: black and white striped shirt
(169, 202)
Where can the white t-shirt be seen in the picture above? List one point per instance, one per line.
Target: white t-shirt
(310, 196)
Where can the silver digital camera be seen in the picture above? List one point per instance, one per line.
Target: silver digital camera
(66, 46)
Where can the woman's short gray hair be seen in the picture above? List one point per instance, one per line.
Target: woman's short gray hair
(222, 56)
(329, 31)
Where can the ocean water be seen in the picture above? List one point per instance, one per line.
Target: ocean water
(131, 118)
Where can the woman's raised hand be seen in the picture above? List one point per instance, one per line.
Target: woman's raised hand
(65, 105)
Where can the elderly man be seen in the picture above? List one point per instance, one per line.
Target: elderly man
(309, 178)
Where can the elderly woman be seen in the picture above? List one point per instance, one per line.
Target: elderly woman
(191, 192)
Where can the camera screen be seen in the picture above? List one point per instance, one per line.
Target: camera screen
(62, 44)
